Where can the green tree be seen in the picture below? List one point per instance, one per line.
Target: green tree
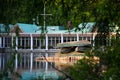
(107, 67)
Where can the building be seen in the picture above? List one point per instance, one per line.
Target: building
(32, 37)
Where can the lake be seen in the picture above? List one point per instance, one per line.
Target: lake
(30, 69)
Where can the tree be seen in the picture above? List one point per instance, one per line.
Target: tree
(105, 13)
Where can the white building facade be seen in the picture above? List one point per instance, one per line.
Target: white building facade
(31, 38)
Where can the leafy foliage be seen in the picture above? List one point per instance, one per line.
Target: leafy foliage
(77, 11)
(106, 69)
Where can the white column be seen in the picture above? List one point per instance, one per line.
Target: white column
(77, 37)
(0, 41)
(46, 39)
(16, 43)
(16, 56)
(93, 38)
(31, 40)
(46, 63)
(31, 61)
(16, 61)
(66, 39)
(61, 38)
(86, 38)
(3, 42)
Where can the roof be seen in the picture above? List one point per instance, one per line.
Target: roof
(86, 27)
(4, 28)
(27, 28)
(83, 28)
(32, 28)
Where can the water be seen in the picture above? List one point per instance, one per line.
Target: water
(30, 69)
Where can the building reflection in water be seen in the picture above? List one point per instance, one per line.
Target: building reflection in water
(28, 67)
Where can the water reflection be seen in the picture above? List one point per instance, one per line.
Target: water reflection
(29, 68)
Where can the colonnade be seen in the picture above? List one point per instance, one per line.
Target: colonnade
(50, 41)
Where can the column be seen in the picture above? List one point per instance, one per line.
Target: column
(66, 39)
(77, 37)
(51, 41)
(16, 56)
(31, 61)
(93, 39)
(3, 42)
(24, 42)
(40, 43)
(86, 38)
(46, 63)
(16, 43)
(55, 43)
(46, 40)
(0, 41)
(16, 61)
(31, 40)
(12, 41)
(61, 38)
